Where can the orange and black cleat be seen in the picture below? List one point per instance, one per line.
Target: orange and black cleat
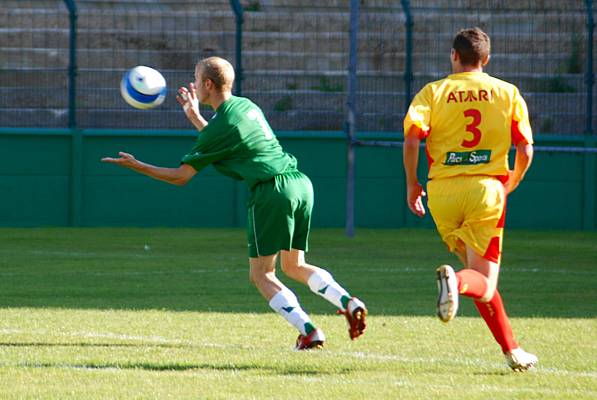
(355, 314)
(313, 340)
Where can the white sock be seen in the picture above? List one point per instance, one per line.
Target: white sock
(322, 283)
(286, 304)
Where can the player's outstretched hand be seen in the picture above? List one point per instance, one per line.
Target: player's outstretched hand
(415, 199)
(187, 98)
(125, 160)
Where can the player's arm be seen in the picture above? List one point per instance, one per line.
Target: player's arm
(414, 190)
(522, 138)
(522, 162)
(187, 98)
(175, 176)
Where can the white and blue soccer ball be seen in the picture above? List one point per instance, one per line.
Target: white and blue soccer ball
(143, 87)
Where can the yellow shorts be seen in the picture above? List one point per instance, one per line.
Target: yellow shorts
(469, 210)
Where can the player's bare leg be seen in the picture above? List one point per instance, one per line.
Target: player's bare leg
(488, 269)
(284, 302)
(322, 283)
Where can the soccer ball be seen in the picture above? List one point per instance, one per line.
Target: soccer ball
(143, 87)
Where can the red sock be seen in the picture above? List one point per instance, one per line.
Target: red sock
(471, 283)
(494, 314)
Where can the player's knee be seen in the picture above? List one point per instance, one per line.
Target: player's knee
(290, 268)
(257, 275)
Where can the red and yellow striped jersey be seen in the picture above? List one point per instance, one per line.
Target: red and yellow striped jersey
(470, 120)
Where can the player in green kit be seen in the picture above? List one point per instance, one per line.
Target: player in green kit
(239, 143)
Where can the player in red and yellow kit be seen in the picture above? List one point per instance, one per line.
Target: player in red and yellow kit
(469, 121)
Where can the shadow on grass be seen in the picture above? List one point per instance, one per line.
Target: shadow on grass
(108, 345)
(544, 274)
(183, 367)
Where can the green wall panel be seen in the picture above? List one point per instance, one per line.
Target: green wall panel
(330, 208)
(42, 182)
(34, 179)
(141, 201)
(378, 203)
(545, 205)
(39, 155)
(34, 200)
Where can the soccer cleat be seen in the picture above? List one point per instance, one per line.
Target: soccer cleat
(520, 361)
(447, 300)
(355, 314)
(313, 340)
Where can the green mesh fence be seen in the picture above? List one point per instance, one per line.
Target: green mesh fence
(33, 63)
(539, 45)
(295, 58)
(113, 36)
(167, 35)
(381, 61)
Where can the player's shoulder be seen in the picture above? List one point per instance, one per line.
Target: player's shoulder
(502, 84)
(238, 104)
(434, 85)
(428, 91)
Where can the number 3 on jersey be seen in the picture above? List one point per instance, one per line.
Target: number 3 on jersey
(472, 128)
(255, 115)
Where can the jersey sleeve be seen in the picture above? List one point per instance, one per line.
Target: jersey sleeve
(205, 151)
(521, 127)
(419, 112)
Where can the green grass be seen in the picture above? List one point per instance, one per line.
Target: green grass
(170, 314)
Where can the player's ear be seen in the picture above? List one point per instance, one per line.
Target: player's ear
(454, 55)
(486, 60)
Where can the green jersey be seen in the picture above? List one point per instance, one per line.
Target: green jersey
(239, 143)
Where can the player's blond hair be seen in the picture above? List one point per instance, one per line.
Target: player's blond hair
(472, 45)
(219, 71)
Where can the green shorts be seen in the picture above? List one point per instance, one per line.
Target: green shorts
(279, 214)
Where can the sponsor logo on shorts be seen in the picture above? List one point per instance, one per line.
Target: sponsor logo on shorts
(468, 157)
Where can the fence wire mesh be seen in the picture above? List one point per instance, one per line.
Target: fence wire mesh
(539, 45)
(112, 36)
(33, 63)
(295, 58)
(167, 35)
(381, 61)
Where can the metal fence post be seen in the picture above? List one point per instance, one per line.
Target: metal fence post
(589, 159)
(352, 112)
(76, 178)
(238, 13)
(72, 64)
(589, 74)
(76, 175)
(408, 67)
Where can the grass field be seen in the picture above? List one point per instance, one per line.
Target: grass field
(170, 314)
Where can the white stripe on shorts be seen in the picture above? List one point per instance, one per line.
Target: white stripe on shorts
(255, 230)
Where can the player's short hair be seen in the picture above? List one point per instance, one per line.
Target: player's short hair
(472, 45)
(218, 70)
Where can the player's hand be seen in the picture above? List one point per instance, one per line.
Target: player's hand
(187, 98)
(414, 199)
(125, 160)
